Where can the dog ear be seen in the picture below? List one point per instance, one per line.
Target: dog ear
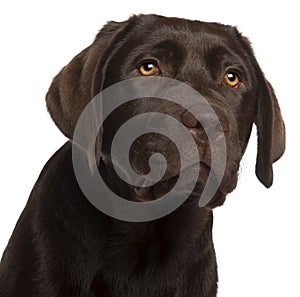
(270, 133)
(75, 85)
(269, 122)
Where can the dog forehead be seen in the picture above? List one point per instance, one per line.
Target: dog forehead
(183, 31)
(162, 35)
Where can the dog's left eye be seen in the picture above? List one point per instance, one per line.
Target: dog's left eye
(232, 79)
(148, 69)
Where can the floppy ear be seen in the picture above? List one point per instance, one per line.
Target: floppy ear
(75, 86)
(72, 88)
(270, 132)
(269, 122)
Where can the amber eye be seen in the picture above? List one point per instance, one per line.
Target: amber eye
(232, 79)
(148, 68)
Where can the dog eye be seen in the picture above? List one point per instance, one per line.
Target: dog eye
(232, 79)
(148, 68)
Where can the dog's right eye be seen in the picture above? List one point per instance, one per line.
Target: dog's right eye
(148, 69)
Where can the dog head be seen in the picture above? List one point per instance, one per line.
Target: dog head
(214, 59)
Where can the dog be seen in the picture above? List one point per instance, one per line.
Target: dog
(64, 246)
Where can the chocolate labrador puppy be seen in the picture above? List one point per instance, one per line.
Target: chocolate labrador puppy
(62, 245)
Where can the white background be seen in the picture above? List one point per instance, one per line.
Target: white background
(256, 233)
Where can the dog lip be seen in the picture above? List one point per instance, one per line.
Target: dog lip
(197, 165)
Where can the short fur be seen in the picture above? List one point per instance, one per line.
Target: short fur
(62, 245)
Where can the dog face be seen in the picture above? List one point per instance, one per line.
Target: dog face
(214, 59)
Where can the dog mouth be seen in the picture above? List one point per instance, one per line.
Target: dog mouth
(204, 174)
(204, 171)
(164, 186)
(167, 183)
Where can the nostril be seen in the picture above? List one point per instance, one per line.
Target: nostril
(189, 120)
